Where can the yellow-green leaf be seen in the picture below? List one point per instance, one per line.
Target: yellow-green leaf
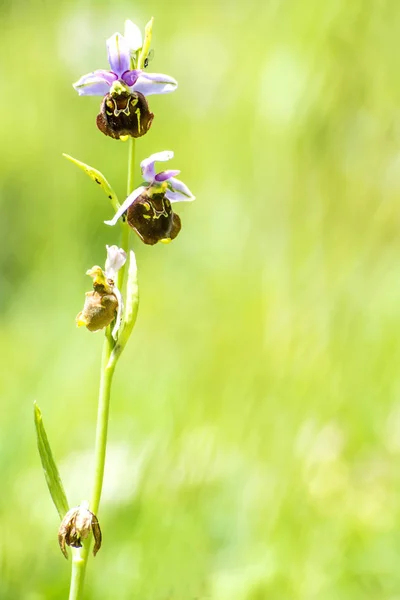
(98, 178)
(51, 473)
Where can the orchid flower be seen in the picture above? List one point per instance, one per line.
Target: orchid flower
(124, 110)
(100, 82)
(148, 207)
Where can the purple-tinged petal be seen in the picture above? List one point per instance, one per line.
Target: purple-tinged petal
(178, 192)
(95, 84)
(108, 76)
(124, 207)
(154, 83)
(118, 54)
(130, 77)
(147, 165)
(164, 175)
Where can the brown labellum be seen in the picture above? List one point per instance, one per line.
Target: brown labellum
(123, 114)
(153, 218)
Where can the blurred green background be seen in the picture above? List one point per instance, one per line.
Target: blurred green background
(254, 444)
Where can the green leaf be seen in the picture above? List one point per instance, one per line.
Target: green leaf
(98, 178)
(51, 473)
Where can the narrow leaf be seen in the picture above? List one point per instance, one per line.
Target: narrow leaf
(98, 178)
(51, 473)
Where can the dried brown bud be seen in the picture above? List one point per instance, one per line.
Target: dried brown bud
(99, 310)
(101, 305)
(76, 526)
(152, 217)
(125, 113)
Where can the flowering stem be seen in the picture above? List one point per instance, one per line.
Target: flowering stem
(106, 376)
(108, 364)
(131, 165)
(79, 562)
(125, 229)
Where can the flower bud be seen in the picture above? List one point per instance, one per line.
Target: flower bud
(123, 112)
(76, 526)
(152, 217)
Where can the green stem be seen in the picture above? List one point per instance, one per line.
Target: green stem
(131, 166)
(108, 364)
(102, 425)
(125, 229)
(80, 557)
(79, 562)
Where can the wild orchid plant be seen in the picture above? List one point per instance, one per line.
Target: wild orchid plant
(113, 303)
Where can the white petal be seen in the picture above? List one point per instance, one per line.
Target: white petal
(133, 36)
(116, 258)
(130, 199)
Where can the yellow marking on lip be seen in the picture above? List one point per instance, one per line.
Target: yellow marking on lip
(137, 112)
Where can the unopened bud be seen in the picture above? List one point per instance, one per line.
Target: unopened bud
(76, 526)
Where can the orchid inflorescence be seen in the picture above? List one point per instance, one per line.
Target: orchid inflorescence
(112, 304)
(124, 112)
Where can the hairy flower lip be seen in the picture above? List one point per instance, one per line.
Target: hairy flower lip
(152, 218)
(124, 113)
